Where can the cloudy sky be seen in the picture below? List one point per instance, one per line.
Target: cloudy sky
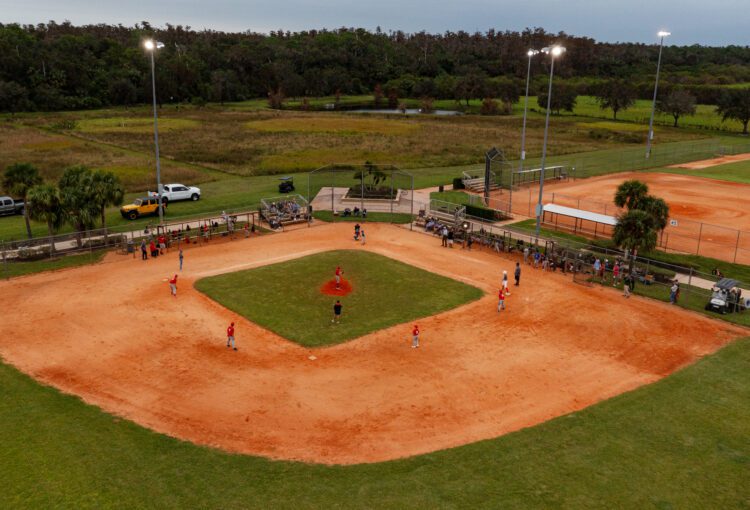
(708, 22)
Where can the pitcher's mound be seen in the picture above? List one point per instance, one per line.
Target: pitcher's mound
(330, 288)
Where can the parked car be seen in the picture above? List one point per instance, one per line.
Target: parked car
(9, 206)
(175, 192)
(141, 207)
(286, 185)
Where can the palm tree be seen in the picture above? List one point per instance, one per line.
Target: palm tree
(107, 190)
(635, 231)
(76, 193)
(630, 193)
(43, 204)
(657, 208)
(18, 179)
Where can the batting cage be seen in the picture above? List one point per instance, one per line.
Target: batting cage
(346, 192)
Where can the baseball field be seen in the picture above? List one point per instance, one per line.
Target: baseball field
(159, 361)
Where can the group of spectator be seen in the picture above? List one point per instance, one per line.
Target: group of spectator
(355, 212)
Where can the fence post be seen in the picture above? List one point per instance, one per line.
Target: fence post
(736, 246)
(690, 278)
(700, 232)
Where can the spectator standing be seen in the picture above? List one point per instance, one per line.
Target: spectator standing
(673, 293)
(230, 336)
(144, 252)
(517, 273)
(526, 255)
(615, 274)
(444, 233)
(597, 266)
(181, 258)
(450, 239)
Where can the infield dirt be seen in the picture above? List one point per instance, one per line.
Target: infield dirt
(112, 334)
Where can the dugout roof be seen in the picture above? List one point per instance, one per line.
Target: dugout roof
(580, 214)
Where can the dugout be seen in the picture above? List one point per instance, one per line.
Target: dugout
(578, 220)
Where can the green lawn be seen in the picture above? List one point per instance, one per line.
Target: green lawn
(735, 172)
(286, 297)
(12, 269)
(372, 217)
(678, 443)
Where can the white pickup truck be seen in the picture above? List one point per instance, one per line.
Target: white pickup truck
(175, 192)
(10, 206)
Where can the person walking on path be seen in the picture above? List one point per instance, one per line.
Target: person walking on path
(144, 250)
(173, 285)
(517, 273)
(181, 258)
(337, 312)
(501, 300)
(415, 337)
(338, 274)
(230, 336)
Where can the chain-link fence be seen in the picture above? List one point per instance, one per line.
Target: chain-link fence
(363, 192)
(78, 248)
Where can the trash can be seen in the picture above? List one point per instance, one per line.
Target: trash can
(440, 188)
(131, 246)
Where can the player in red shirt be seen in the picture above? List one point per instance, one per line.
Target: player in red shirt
(339, 272)
(230, 336)
(173, 285)
(501, 300)
(415, 337)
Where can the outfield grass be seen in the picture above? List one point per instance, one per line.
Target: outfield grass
(678, 443)
(734, 172)
(132, 125)
(13, 269)
(286, 298)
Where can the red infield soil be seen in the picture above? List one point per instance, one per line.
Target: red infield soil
(330, 288)
(112, 334)
(723, 207)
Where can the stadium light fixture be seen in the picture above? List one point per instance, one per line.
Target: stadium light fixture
(151, 46)
(553, 51)
(529, 54)
(649, 139)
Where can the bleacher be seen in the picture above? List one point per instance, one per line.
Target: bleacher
(284, 210)
(476, 184)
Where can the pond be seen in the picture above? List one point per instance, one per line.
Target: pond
(408, 111)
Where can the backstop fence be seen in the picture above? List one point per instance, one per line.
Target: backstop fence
(344, 192)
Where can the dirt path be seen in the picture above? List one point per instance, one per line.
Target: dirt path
(112, 334)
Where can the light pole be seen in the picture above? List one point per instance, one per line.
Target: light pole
(554, 51)
(650, 138)
(151, 46)
(530, 54)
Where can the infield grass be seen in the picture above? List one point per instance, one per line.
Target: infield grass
(286, 298)
(678, 443)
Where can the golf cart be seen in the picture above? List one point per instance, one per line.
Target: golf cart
(286, 185)
(719, 301)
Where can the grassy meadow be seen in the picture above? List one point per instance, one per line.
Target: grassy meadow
(288, 301)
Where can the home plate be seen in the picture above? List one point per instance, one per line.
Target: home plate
(312, 358)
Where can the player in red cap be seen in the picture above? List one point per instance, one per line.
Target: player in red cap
(173, 285)
(230, 336)
(415, 337)
(501, 299)
(339, 272)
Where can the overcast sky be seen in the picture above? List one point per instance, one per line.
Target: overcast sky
(707, 22)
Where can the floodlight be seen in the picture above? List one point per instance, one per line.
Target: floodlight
(664, 33)
(531, 53)
(151, 45)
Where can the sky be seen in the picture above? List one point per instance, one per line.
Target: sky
(705, 22)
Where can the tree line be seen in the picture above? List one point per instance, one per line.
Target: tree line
(59, 66)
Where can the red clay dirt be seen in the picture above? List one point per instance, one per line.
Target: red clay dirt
(708, 163)
(330, 288)
(112, 334)
(722, 206)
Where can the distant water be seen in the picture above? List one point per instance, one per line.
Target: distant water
(408, 111)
